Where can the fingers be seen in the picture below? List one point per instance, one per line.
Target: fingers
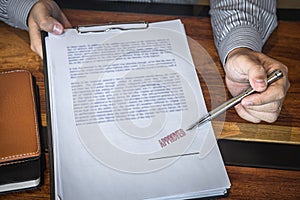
(275, 92)
(257, 77)
(66, 23)
(39, 23)
(268, 112)
(264, 106)
(51, 25)
(242, 112)
(47, 16)
(258, 115)
(47, 24)
(35, 39)
(43, 15)
(247, 63)
(244, 65)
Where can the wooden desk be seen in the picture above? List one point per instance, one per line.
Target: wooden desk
(247, 182)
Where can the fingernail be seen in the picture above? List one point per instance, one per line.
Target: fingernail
(57, 29)
(260, 80)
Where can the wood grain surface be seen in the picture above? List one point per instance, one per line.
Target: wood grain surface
(247, 183)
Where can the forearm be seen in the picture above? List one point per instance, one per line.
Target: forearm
(15, 12)
(242, 24)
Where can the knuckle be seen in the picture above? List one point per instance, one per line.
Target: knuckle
(258, 101)
(280, 94)
(43, 24)
(274, 106)
(272, 118)
(284, 68)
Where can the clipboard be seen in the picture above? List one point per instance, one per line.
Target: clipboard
(222, 180)
(81, 29)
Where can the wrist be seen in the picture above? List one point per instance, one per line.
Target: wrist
(238, 51)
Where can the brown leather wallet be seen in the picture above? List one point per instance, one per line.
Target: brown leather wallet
(20, 148)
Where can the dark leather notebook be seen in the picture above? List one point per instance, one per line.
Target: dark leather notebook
(20, 148)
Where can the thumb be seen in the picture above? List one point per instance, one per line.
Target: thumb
(257, 77)
(51, 25)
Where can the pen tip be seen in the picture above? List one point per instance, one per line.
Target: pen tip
(200, 122)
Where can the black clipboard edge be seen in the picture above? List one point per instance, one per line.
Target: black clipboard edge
(44, 35)
(260, 154)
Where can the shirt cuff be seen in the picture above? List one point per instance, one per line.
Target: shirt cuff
(241, 36)
(18, 11)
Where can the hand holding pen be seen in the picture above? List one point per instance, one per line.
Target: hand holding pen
(272, 77)
(243, 67)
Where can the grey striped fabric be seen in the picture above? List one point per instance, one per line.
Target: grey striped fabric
(15, 12)
(242, 23)
(3, 10)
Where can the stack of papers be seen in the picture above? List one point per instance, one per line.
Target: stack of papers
(120, 102)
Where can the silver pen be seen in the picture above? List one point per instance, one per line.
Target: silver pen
(272, 77)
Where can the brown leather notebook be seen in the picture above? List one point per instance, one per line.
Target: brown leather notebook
(20, 149)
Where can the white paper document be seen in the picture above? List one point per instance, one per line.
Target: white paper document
(120, 103)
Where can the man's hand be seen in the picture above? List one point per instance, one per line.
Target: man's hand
(45, 15)
(244, 66)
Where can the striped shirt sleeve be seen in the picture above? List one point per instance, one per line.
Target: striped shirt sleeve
(241, 23)
(15, 12)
